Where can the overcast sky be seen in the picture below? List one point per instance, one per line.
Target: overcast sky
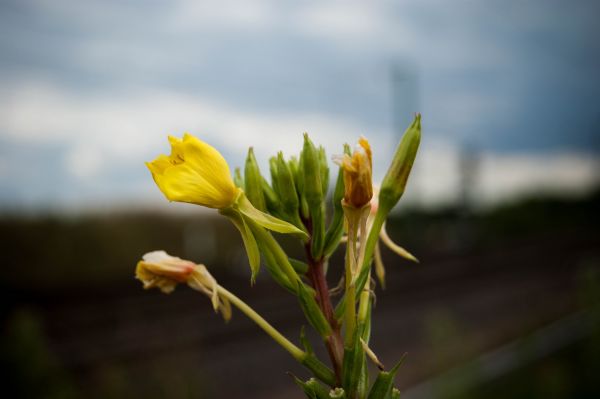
(90, 89)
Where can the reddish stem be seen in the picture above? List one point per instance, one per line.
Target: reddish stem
(334, 343)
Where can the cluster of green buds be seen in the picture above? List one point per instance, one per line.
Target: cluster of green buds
(295, 200)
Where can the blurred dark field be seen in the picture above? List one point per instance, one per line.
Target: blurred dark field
(505, 303)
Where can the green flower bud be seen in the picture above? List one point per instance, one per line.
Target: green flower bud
(394, 182)
(271, 198)
(313, 189)
(383, 385)
(313, 389)
(294, 165)
(253, 182)
(274, 173)
(299, 173)
(337, 393)
(238, 180)
(287, 187)
(324, 169)
(336, 228)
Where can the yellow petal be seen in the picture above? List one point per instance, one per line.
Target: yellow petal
(210, 164)
(159, 165)
(194, 172)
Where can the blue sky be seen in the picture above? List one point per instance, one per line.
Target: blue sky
(90, 89)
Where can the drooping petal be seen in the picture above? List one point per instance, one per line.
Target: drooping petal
(158, 269)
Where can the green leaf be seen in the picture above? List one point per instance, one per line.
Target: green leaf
(305, 342)
(274, 269)
(382, 387)
(317, 215)
(267, 221)
(319, 370)
(313, 312)
(313, 389)
(299, 266)
(248, 238)
(354, 359)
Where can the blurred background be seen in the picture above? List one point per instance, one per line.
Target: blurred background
(502, 207)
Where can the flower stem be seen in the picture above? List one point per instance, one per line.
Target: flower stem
(308, 360)
(316, 274)
(333, 343)
(296, 352)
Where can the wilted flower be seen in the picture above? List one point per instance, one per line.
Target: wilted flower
(161, 270)
(195, 172)
(358, 186)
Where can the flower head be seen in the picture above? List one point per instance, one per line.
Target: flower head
(195, 172)
(161, 270)
(358, 167)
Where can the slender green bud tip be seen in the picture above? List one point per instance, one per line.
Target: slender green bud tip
(286, 185)
(313, 189)
(237, 178)
(394, 182)
(253, 183)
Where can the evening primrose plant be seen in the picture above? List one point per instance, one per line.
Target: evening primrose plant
(295, 202)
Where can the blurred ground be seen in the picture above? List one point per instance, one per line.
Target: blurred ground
(76, 324)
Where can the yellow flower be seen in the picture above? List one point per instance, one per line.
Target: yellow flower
(198, 174)
(161, 270)
(358, 186)
(195, 172)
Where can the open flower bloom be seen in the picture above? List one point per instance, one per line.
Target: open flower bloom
(358, 186)
(195, 172)
(160, 270)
